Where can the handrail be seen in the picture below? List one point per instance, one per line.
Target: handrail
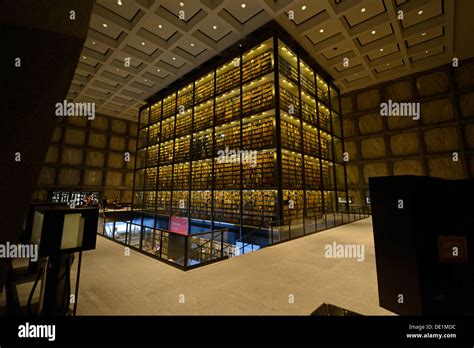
(254, 230)
(200, 247)
(217, 230)
(251, 233)
(210, 240)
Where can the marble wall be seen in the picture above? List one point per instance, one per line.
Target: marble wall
(89, 155)
(379, 146)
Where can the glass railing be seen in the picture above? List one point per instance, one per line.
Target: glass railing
(275, 232)
(187, 251)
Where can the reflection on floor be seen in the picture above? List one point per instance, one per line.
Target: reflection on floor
(292, 278)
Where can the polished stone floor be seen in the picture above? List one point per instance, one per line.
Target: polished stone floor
(292, 278)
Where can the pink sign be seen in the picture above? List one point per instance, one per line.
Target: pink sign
(179, 224)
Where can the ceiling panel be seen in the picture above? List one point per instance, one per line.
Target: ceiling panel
(378, 45)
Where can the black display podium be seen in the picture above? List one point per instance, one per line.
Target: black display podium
(423, 234)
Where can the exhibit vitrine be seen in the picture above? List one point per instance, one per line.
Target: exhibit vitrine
(252, 137)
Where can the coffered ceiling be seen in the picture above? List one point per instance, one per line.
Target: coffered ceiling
(163, 47)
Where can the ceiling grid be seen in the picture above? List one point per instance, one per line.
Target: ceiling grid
(163, 47)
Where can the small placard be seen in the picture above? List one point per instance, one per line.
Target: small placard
(452, 249)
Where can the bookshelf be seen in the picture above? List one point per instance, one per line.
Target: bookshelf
(290, 135)
(202, 145)
(329, 201)
(154, 135)
(182, 149)
(150, 178)
(288, 70)
(179, 203)
(322, 90)
(204, 88)
(293, 205)
(227, 137)
(155, 113)
(228, 109)
(163, 199)
(204, 116)
(185, 97)
(185, 130)
(257, 66)
(307, 83)
(326, 140)
(201, 178)
(259, 172)
(227, 205)
(310, 141)
(258, 206)
(314, 205)
(165, 174)
(166, 152)
(169, 106)
(257, 99)
(312, 172)
(149, 201)
(258, 133)
(292, 167)
(167, 129)
(181, 176)
(324, 117)
(226, 175)
(309, 113)
(152, 156)
(201, 203)
(289, 102)
(228, 77)
(184, 123)
(326, 174)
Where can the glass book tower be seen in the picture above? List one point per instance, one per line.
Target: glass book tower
(267, 98)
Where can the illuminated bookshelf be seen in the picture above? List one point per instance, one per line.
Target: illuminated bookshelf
(264, 96)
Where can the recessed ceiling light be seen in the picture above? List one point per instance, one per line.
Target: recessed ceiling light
(119, 2)
(321, 30)
(243, 5)
(381, 50)
(423, 34)
(181, 4)
(362, 9)
(143, 43)
(214, 27)
(174, 58)
(158, 70)
(373, 32)
(426, 51)
(84, 57)
(160, 26)
(420, 12)
(104, 25)
(303, 7)
(93, 42)
(192, 44)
